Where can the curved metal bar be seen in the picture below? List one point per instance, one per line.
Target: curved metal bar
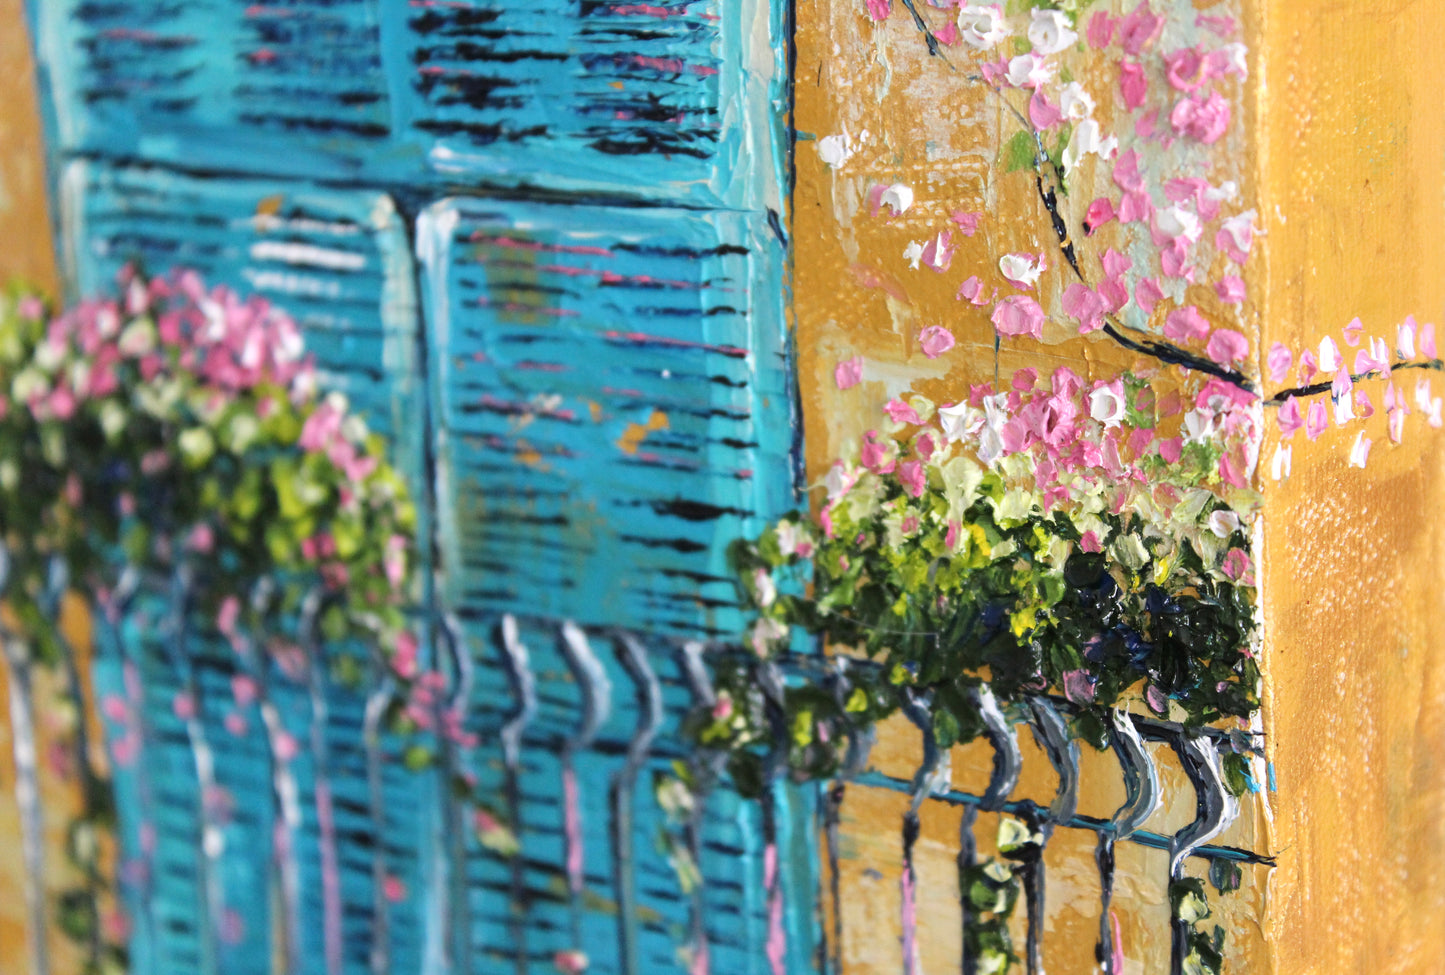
(926, 781)
(1141, 798)
(706, 768)
(1062, 749)
(115, 608)
(524, 686)
(698, 680)
(933, 776)
(596, 687)
(1008, 760)
(283, 874)
(210, 841)
(454, 802)
(310, 625)
(1143, 795)
(377, 703)
(860, 740)
(592, 680)
(649, 700)
(1217, 807)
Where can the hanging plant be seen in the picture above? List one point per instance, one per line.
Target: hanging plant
(178, 431)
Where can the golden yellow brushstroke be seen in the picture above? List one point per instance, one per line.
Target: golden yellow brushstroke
(636, 433)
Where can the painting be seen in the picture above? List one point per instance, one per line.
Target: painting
(721, 487)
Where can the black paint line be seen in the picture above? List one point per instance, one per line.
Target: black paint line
(1314, 389)
(1154, 841)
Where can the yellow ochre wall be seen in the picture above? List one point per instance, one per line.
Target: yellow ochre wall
(1352, 162)
(1342, 151)
(1346, 155)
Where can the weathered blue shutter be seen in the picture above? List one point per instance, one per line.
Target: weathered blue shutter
(587, 380)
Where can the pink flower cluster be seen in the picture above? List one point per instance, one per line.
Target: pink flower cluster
(1348, 401)
(1076, 436)
(162, 326)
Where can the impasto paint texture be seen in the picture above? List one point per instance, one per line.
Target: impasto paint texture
(700, 486)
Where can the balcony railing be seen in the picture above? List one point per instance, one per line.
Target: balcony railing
(271, 819)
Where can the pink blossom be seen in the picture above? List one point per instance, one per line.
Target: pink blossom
(1146, 126)
(1366, 363)
(1318, 420)
(1230, 289)
(1019, 315)
(924, 446)
(392, 888)
(1171, 449)
(1024, 380)
(1100, 212)
(972, 291)
(1405, 338)
(1427, 341)
(203, 539)
(1397, 425)
(948, 34)
(1363, 407)
(1101, 29)
(849, 372)
(1308, 366)
(570, 962)
(967, 222)
(1227, 347)
(243, 690)
(1089, 542)
(1115, 264)
(1237, 564)
(1219, 396)
(404, 661)
(913, 478)
(1236, 237)
(876, 454)
(1138, 29)
(1084, 305)
(1185, 68)
(235, 724)
(1220, 25)
(183, 706)
(1289, 418)
(1126, 173)
(950, 538)
(1135, 207)
(227, 616)
(1065, 383)
(1230, 471)
(1200, 117)
(880, 9)
(1278, 362)
(1079, 686)
(1147, 294)
(1185, 325)
(1133, 84)
(900, 412)
(935, 340)
(1043, 113)
(1352, 332)
(938, 252)
(1114, 292)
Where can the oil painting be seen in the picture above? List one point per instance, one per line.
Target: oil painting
(721, 487)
